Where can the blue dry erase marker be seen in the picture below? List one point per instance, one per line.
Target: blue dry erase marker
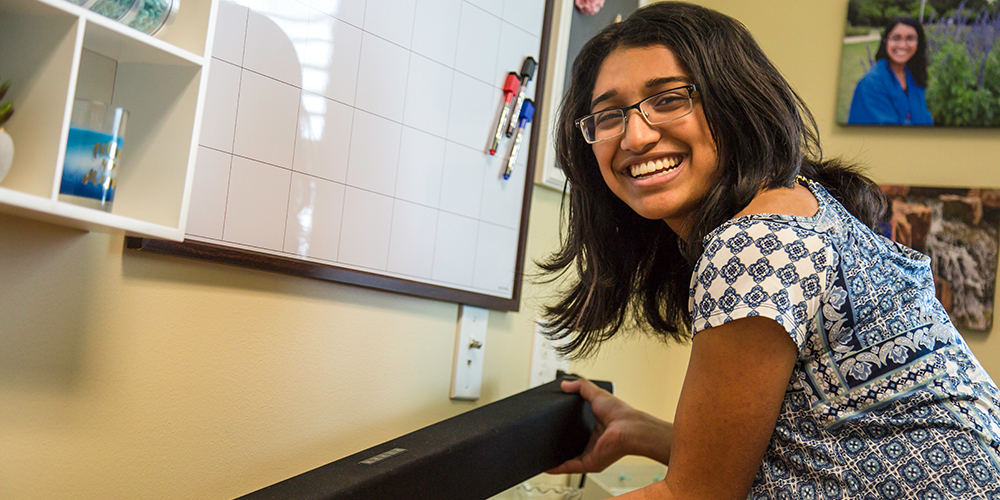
(527, 73)
(527, 112)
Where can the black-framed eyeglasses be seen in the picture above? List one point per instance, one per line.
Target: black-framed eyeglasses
(656, 109)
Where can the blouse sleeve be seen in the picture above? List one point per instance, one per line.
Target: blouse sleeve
(769, 268)
(871, 105)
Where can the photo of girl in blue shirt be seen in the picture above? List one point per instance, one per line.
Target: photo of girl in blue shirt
(893, 91)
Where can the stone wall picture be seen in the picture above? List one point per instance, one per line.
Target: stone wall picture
(959, 229)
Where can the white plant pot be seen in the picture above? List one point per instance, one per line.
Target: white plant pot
(6, 153)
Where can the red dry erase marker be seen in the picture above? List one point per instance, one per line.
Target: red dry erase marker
(509, 89)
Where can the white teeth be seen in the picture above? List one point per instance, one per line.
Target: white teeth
(661, 165)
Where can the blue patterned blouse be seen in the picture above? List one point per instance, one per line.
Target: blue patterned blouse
(886, 400)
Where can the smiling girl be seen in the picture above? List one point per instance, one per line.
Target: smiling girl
(893, 91)
(822, 366)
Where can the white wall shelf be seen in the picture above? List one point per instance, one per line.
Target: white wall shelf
(54, 52)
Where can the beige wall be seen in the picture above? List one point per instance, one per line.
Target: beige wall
(128, 375)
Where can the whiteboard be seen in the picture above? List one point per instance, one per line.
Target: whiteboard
(353, 135)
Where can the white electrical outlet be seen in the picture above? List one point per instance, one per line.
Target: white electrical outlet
(545, 361)
(470, 342)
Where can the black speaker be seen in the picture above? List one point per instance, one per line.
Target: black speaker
(471, 456)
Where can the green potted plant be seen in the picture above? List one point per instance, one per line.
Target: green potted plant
(6, 144)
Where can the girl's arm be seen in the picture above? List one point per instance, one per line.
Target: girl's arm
(620, 430)
(732, 393)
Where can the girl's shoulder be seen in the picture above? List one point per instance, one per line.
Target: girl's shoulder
(875, 77)
(783, 214)
(751, 237)
(774, 237)
(797, 200)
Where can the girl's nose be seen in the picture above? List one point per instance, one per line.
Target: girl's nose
(639, 134)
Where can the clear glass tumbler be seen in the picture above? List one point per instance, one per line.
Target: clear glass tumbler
(155, 15)
(528, 491)
(123, 11)
(93, 153)
(82, 3)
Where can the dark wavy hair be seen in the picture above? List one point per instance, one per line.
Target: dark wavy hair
(631, 270)
(918, 63)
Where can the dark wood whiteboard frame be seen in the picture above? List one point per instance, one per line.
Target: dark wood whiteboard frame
(225, 254)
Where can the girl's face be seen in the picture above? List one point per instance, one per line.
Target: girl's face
(660, 171)
(901, 44)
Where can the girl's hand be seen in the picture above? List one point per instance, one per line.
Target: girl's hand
(620, 430)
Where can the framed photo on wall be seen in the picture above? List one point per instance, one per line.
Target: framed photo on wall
(921, 63)
(959, 229)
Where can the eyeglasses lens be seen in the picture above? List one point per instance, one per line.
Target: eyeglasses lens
(659, 108)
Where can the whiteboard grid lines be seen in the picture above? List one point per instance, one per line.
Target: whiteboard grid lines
(232, 145)
(453, 129)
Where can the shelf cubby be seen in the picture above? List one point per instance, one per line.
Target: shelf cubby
(54, 52)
